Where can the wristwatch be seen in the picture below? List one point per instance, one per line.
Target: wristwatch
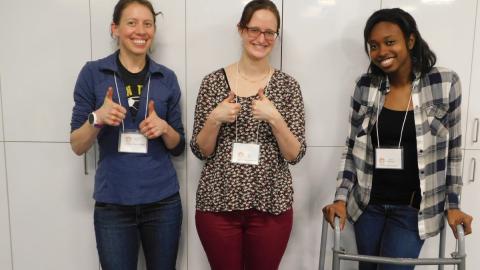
(93, 120)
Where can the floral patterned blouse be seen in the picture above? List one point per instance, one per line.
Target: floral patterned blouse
(227, 186)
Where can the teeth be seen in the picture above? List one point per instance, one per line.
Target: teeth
(139, 41)
(386, 62)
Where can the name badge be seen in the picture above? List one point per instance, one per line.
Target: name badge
(132, 142)
(246, 153)
(389, 158)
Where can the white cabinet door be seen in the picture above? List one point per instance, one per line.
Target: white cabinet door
(5, 250)
(45, 45)
(323, 50)
(473, 119)
(51, 207)
(439, 23)
(470, 193)
(314, 181)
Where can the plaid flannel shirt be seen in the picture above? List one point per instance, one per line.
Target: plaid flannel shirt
(436, 99)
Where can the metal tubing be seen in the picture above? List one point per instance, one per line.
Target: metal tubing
(441, 248)
(85, 166)
(336, 246)
(323, 244)
(399, 261)
(461, 254)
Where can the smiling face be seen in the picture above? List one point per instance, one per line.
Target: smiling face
(389, 50)
(259, 47)
(135, 31)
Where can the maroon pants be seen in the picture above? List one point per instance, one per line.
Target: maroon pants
(244, 240)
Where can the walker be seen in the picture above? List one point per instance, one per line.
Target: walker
(339, 253)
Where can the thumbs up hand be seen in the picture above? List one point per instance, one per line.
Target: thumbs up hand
(153, 126)
(111, 113)
(226, 111)
(263, 109)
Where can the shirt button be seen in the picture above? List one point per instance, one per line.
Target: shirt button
(420, 213)
(422, 172)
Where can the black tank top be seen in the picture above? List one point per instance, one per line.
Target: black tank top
(398, 187)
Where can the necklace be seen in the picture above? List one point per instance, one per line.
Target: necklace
(256, 80)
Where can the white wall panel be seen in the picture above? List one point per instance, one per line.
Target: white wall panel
(321, 46)
(5, 251)
(474, 98)
(45, 44)
(314, 181)
(197, 259)
(471, 189)
(323, 50)
(448, 28)
(51, 208)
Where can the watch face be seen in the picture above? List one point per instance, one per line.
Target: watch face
(91, 119)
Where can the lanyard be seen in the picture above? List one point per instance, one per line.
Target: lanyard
(120, 101)
(404, 119)
(236, 101)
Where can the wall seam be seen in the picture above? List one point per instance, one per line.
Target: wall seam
(90, 26)
(6, 178)
(187, 206)
(281, 39)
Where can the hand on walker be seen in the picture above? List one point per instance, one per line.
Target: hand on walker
(457, 217)
(111, 113)
(153, 126)
(336, 209)
(263, 109)
(226, 111)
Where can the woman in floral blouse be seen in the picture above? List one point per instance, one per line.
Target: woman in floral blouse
(249, 125)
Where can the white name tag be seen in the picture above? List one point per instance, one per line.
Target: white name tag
(132, 142)
(246, 153)
(389, 158)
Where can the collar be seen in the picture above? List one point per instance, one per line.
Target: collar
(109, 63)
(385, 82)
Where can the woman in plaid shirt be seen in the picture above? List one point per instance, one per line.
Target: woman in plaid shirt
(401, 167)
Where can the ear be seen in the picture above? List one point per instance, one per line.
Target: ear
(239, 28)
(411, 41)
(114, 30)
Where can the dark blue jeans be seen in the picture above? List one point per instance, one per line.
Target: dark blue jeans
(120, 230)
(390, 231)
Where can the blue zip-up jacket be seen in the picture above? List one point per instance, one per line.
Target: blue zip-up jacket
(128, 178)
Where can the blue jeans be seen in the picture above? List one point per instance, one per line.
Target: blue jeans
(389, 231)
(120, 230)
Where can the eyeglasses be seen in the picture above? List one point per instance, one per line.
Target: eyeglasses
(254, 32)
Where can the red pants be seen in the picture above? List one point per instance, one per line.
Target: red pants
(244, 240)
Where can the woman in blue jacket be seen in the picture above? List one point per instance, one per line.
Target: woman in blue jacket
(130, 104)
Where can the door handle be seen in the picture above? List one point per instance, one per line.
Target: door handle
(475, 131)
(473, 165)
